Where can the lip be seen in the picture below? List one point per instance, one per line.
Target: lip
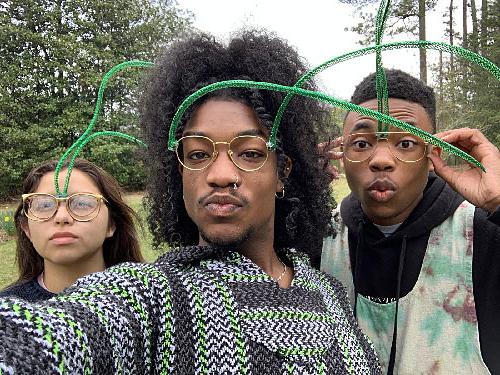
(222, 205)
(63, 238)
(382, 190)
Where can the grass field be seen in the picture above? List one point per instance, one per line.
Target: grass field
(8, 272)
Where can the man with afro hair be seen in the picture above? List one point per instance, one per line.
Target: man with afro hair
(417, 242)
(239, 295)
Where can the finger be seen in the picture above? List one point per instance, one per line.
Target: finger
(443, 170)
(335, 155)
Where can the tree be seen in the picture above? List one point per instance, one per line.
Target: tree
(407, 16)
(53, 55)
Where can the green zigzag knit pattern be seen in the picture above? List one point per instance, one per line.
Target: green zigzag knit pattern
(196, 310)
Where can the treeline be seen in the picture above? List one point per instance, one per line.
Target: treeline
(467, 96)
(53, 55)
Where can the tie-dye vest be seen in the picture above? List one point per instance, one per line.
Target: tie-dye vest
(437, 323)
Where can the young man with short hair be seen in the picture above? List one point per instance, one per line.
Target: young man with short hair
(421, 263)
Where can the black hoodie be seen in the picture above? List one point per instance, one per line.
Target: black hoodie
(378, 256)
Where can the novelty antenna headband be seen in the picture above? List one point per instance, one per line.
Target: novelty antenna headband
(381, 86)
(86, 137)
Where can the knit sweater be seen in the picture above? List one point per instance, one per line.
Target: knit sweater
(196, 310)
(30, 291)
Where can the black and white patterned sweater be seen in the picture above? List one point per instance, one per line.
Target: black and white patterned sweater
(196, 310)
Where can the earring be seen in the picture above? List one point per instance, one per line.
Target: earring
(235, 183)
(282, 193)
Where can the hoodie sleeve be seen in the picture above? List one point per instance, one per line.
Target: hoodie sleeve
(102, 324)
(486, 277)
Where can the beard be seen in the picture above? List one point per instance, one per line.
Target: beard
(227, 243)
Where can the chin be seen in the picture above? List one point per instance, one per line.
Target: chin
(225, 240)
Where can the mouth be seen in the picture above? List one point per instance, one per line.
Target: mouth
(222, 205)
(382, 190)
(63, 238)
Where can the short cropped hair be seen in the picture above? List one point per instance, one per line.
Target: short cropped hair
(400, 85)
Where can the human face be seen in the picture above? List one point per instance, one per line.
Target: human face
(388, 189)
(62, 240)
(224, 215)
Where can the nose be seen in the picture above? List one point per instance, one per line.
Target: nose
(62, 215)
(382, 158)
(222, 172)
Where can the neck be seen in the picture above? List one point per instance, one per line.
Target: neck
(261, 252)
(58, 277)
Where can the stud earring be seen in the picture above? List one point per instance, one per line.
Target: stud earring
(235, 183)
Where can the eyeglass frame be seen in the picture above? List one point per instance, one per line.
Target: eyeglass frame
(100, 199)
(426, 144)
(215, 153)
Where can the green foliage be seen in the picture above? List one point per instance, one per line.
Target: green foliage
(53, 55)
(7, 221)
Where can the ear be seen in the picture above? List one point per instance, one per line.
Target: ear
(111, 229)
(287, 169)
(180, 169)
(435, 151)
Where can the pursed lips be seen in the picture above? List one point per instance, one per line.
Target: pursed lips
(382, 190)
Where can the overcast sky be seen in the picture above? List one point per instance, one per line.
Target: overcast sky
(315, 28)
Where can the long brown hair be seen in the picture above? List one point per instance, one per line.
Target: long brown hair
(123, 246)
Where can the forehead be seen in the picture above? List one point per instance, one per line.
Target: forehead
(400, 109)
(222, 120)
(79, 182)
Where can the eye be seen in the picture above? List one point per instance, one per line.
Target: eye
(251, 154)
(361, 144)
(407, 144)
(198, 155)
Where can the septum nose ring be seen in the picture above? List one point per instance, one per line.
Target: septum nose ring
(235, 183)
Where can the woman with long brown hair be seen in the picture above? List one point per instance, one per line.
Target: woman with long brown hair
(62, 239)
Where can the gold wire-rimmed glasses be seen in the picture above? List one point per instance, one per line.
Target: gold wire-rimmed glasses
(81, 206)
(406, 147)
(247, 152)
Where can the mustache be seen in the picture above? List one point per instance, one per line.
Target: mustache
(233, 193)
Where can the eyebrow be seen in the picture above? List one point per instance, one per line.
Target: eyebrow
(257, 132)
(361, 126)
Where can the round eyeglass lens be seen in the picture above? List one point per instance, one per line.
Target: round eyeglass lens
(248, 152)
(41, 206)
(82, 205)
(195, 152)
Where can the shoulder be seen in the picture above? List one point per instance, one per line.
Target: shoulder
(29, 291)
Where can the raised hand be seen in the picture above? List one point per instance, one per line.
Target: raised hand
(479, 188)
(329, 151)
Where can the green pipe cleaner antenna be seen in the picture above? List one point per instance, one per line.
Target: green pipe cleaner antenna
(172, 142)
(459, 51)
(78, 145)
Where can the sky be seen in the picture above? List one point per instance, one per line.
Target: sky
(316, 28)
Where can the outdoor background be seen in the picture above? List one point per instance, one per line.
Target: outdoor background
(53, 55)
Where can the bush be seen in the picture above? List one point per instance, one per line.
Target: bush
(7, 221)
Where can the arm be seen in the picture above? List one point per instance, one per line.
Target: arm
(479, 188)
(106, 323)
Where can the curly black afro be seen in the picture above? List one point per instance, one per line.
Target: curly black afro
(303, 218)
(400, 85)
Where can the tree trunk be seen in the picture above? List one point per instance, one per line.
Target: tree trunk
(464, 23)
(484, 27)
(421, 36)
(450, 24)
(439, 124)
(473, 11)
